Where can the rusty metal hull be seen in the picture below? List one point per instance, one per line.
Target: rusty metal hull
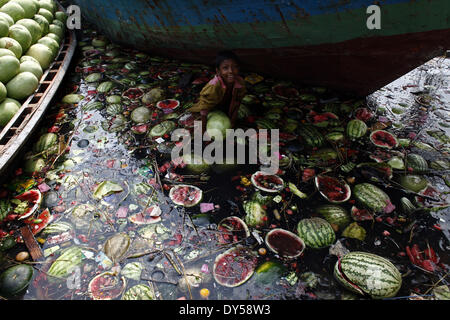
(320, 42)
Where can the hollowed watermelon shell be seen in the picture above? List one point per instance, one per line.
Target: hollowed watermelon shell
(267, 182)
(233, 229)
(332, 189)
(284, 243)
(186, 195)
(168, 104)
(235, 266)
(106, 286)
(383, 139)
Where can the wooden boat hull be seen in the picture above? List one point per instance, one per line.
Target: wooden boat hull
(320, 42)
(19, 129)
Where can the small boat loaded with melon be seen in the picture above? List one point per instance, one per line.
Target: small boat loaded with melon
(35, 48)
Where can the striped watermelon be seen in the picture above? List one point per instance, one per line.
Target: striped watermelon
(368, 274)
(114, 108)
(312, 137)
(416, 162)
(334, 214)
(373, 198)
(356, 129)
(62, 266)
(383, 139)
(316, 232)
(255, 214)
(139, 292)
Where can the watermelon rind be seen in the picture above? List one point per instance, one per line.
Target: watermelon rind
(393, 144)
(15, 280)
(239, 254)
(293, 236)
(98, 295)
(139, 292)
(348, 192)
(257, 185)
(160, 103)
(369, 274)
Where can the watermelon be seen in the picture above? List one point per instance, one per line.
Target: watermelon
(41, 53)
(383, 139)
(22, 86)
(21, 34)
(268, 272)
(355, 231)
(140, 115)
(114, 108)
(40, 222)
(139, 292)
(8, 108)
(267, 182)
(217, 124)
(33, 27)
(154, 95)
(162, 128)
(368, 274)
(356, 129)
(413, 182)
(406, 205)
(48, 141)
(64, 264)
(363, 114)
(33, 67)
(235, 266)
(12, 45)
(335, 215)
(106, 286)
(33, 198)
(312, 137)
(14, 10)
(255, 214)
(332, 189)
(416, 162)
(15, 280)
(284, 243)
(133, 93)
(195, 163)
(316, 232)
(105, 87)
(186, 195)
(373, 198)
(151, 215)
(168, 104)
(232, 229)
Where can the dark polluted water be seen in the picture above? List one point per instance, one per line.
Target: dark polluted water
(116, 234)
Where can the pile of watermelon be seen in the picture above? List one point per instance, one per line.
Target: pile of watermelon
(31, 33)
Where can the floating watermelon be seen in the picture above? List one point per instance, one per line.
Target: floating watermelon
(33, 198)
(284, 243)
(168, 104)
(133, 93)
(233, 229)
(383, 139)
(107, 286)
(267, 182)
(151, 215)
(186, 195)
(235, 266)
(15, 280)
(332, 189)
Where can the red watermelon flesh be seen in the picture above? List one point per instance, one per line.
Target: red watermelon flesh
(168, 104)
(34, 198)
(185, 195)
(383, 139)
(332, 189)
(234, 266)
(233, 229)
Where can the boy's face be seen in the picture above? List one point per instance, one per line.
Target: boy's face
(228, 70)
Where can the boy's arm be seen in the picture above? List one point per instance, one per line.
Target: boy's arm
(210, 96)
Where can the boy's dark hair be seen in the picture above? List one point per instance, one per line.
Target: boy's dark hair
(226, 55)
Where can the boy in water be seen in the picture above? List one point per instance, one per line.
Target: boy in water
(225, 91)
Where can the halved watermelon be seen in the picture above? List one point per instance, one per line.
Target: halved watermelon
(235, 266)
(106, 286)
(151, 215)
(233, 229)
(33, 198)
(133, 93)
(363, 114)
(186, 195)
(284, 243)
(383, 139)
(168, 104)
(267, 182)
(140, 128)
(332, 189)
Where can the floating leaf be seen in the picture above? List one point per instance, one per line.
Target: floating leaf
(106, 188)
(116, 246)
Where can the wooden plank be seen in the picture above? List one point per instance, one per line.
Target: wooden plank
(31, 243)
